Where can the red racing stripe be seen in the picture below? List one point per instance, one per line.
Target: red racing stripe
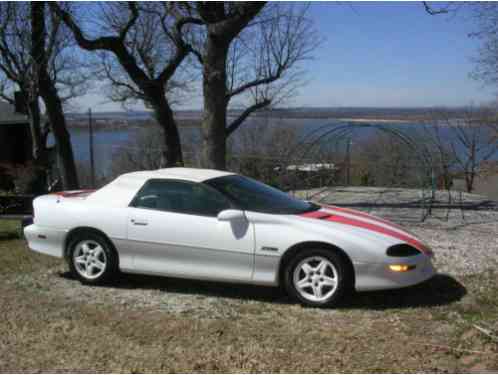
(365, 215)
(316, 214)
(372, 227)
(76, 193)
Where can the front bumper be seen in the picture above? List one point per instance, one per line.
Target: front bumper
(378, 276)
(45, 240)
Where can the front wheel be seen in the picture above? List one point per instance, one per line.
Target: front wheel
(316, 277)
(91, 258)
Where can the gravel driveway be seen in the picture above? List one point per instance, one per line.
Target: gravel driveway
(464, 235)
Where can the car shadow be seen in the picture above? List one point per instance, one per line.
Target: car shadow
(193, 287)
(440, 290)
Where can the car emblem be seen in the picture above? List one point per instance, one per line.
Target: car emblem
(269, 248)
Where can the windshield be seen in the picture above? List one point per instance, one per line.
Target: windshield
(252, 195)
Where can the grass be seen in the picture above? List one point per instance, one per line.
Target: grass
(9, 229)
(424, 329)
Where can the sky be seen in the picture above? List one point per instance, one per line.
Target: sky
(379, 55)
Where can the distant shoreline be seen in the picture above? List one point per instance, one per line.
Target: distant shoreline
(100, 125)
(116, 125)
(380, 120)
(192, 119)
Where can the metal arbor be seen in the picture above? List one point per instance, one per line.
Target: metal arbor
(422, 157)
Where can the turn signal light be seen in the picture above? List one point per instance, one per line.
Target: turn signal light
(400, 267)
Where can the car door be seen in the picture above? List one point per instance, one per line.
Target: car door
(174, 230)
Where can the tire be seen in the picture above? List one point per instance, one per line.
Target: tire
(91, 258)
(317, 278)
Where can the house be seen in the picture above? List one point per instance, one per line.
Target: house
(15, 142)
(309, 175)
(312, 167)
(15, 137)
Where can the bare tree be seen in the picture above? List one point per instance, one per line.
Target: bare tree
(41, 46)
(142, 152)
(250, 55)
(142, 48)
(384, 160)
(263, 62)
(265, 141)
(15, 68)
(439, 146)
(470, 139)
(263, 152)
(486, 63)
(36, 56)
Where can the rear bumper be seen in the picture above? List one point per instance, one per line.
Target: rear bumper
(26, 221)
(370, 276)
(45, 240)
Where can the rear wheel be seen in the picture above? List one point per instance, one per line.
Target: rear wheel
(91, 258)
(316, 277)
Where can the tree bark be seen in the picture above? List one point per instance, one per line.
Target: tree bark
(215, 104)
(35, 128)
(63, 144)
(164, 117)
(39, 148)
(222, 29)
(51, 98)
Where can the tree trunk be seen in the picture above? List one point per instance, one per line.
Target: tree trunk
(35, 128)
(215, 105)
(39, 184)
(165, 119)
(50, 97)
(63, 145)
(469, 181)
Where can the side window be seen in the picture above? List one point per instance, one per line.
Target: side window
(181, 197)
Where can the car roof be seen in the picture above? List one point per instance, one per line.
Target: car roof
(177, 173)
(121, 191)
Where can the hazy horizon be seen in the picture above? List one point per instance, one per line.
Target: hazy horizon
(290, 108)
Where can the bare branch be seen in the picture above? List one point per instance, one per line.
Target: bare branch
(433, 11)
(468, 140)
(235, 124)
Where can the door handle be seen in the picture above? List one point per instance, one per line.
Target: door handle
(137, 222)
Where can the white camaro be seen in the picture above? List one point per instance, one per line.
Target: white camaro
(215, 225)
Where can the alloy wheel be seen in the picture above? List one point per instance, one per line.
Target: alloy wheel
(89, 259)
(315, 278)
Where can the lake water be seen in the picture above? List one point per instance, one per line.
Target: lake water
(106, 142)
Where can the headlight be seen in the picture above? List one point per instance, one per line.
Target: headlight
(402, 250)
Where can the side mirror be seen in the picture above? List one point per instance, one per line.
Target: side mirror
(231, 215)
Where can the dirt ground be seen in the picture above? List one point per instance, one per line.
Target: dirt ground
(49, 322)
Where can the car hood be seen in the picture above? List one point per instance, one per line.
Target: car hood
(358, 222)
